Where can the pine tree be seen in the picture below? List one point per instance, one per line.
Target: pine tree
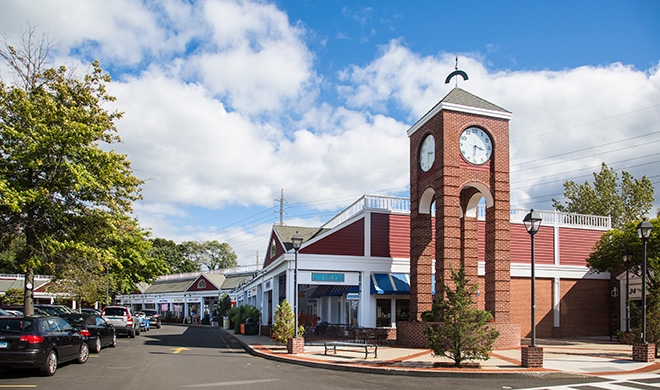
(284, 324)
(461, 335)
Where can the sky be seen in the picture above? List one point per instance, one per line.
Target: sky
(228, 105)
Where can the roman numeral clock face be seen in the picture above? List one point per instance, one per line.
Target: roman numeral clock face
(476, 145)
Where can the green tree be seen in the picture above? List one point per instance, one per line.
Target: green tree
(626, 200)
(169, 251)
(211, 255)
(59, 184)
(13, 296)
(607, 257)
(216, 255)
(223, 306)
(461, 334)
(284, 324)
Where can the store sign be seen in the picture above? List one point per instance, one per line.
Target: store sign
(337, 278)
(353, 296)
(268, 285)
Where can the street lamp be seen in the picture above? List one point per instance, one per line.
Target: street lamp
(644, 231)
(296, 241)
(627, 258)
(532, 222)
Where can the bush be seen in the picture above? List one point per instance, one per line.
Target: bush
(239, 314)
(284, 324)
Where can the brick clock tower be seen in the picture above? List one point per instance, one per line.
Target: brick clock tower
(459, 154)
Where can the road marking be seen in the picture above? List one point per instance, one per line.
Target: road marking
(178, 350)
(18, 386)
(233, 383)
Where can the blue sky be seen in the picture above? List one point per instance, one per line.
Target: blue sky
(226, 103)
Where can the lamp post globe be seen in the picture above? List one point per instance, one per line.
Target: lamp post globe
(296, 242)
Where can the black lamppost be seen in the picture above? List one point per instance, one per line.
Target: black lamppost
(627, 258)
(532, 222)
(296, 241)
(644, 231)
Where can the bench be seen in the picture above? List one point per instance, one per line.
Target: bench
(368, 348)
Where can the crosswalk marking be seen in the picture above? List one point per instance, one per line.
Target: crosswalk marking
(611, 382)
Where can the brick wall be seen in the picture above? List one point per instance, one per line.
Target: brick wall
(584, 307)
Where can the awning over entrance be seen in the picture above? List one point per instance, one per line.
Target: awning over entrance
(381, 284)
(333, 290)
(390, 284)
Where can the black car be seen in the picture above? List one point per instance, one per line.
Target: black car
(153, 317)
(40, 342)
(98, 331)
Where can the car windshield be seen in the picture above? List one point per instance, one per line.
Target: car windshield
(16, 325)
(150, 312)
(114, 311)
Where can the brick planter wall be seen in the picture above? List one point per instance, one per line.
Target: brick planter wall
(644, 352)
(411, 334)
(295, 345)
(531, 357)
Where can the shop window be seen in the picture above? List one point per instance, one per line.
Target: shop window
(384, 312)
(402, 310)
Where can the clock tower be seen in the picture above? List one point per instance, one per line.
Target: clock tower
(459, 155)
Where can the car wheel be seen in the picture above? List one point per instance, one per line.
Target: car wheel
(131, 334)
(96, 348)
(83, 354)
(114, 340)
(158, 326)
(50, 365)
(137, 331)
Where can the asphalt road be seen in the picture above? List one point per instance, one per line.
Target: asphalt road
(178, 357)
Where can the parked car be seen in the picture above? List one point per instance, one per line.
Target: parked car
(122, 319)
(153, 317)
(145, 325)
(53, 310)
(15, 313)
(20, 309)
(5, 313)
(100, 332)
(40, 342)
(89, 310)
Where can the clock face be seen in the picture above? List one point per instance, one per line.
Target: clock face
(476, 145)
(427, 153)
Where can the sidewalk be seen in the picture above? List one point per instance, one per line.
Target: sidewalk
(595, 356)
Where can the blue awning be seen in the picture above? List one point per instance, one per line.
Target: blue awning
(390, 284)
(381, 284)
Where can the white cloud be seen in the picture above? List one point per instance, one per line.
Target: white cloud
(221, 110)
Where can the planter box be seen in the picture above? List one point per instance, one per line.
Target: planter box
(295, 345)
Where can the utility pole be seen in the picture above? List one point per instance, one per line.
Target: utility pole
(281, 202)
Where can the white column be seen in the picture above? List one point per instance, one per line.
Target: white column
(364, 305)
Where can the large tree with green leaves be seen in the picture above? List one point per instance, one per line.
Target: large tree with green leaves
(626, 200)
(170, 253)
(61, 188)
(210, 254)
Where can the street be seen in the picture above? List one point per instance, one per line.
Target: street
(180, 357)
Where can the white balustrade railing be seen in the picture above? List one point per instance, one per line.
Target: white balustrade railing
(402, 205)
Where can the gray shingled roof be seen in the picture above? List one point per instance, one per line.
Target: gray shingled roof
(464, 98)
(169, 285)
(286, 232)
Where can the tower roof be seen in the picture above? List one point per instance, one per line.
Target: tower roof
(463, 101)
(464, 98)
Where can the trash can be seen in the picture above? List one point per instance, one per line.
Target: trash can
(225, 322)
(250, 328)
